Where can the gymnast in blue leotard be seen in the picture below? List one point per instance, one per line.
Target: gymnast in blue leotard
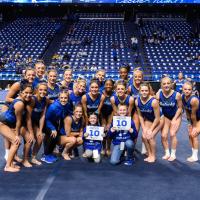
(36, 118)
(40, 70)
(92, 101)
(75, 96)
(107, 114)
(53, 88)
(120, 97)
(171, 105)
(13, 93)
(149, 114)
(133, 90)
(67, 82)
(11, 123)
(72, 131)
(191, 105)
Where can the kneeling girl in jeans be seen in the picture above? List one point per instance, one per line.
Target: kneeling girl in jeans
(122, 140)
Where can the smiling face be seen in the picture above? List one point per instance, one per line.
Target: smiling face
(93, 119)
(26, 94)
(100, 76)
(40, 69)
(120, 90)
(123, 73)
(166, 84)
(180, 75)
(81, 86)
(78, 112)
(138, 77)
(68, 76)
(187, 89)
(94, 88)
(42, 90)
(52, 77)
(144, 91)
(30, 75)
(63, 97)
(109, 86)
(122, 110)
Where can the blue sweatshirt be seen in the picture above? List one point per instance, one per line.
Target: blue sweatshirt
(121, 136)
(55, 115)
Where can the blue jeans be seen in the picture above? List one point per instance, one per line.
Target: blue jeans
(116, 152)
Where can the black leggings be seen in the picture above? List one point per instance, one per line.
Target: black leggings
(49, 142)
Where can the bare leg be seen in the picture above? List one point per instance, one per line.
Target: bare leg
(27, 146)
(164, 138)
(36, 147)
(10, 136)
(67, 142)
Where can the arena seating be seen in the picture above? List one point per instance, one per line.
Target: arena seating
(99, 43)
(103, 35)
(28, 37)
(170, 55)
(101, 16)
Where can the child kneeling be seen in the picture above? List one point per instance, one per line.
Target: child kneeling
(122, 140)
(92, 147)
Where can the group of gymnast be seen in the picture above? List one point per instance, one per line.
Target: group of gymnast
(64, 116)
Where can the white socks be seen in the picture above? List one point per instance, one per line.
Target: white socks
(167, 153)
(168, 156)
(6, 154)
(173, 153)
(144, 151)
(195, 154)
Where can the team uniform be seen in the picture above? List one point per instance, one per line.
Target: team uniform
(125, 138)
(188, 108)
(37, 80)
(8, 117)
(92, 105)
(23, 81)
(38, 110)
(134, 91)
(75, 127)
(53, 93)
(168, 104)
(73, 101)
(146, 109)
(118, 101)
(101, 86)
(135, 94)
(107, 106)
(179, 85)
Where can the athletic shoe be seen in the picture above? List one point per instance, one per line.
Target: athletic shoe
(129, 162)
(47, 159)
(53, 157)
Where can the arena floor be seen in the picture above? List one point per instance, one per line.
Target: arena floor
(80, 180)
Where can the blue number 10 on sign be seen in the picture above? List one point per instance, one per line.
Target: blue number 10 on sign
(122, 122)
(95, 132)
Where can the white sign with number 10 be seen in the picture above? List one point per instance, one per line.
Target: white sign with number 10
(95, 132)
(122, 122)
